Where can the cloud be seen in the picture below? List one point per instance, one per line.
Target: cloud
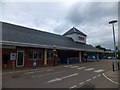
(92, 18)
(58, 17)
(91, 12)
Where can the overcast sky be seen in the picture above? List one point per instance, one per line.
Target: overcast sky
(58, 17)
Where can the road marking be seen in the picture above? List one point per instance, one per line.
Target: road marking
(37, 71)
(94, 77)
(54, 80)
(110, 79)
(99, 75)
(89, 69)
(29, 72)
(19, 71)
(81, 83)
(74, 67)
(88, 80)
(33, 72)
(98, 71)
(70, 75)
(68, 66)
(81, 68)
(48, 74)
(50, 70)
(58, 79)
(73, 86)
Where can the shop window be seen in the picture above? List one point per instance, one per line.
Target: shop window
(31, 52)
(50, 54)
(5, 58)
(39, 54)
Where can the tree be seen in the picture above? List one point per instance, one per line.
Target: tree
(102, 48)
(107, 52)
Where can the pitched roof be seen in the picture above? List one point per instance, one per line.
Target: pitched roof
(22, 36)
(74, 30)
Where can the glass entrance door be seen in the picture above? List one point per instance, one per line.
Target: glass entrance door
(20, 59)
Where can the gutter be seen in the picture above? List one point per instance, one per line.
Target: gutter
(45, 46)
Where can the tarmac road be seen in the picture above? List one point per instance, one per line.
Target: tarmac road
(83, 75)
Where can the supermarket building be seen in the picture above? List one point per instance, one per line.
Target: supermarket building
(20, 43)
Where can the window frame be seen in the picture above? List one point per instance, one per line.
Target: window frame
(38, 53)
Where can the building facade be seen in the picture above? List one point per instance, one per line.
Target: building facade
(19, 45)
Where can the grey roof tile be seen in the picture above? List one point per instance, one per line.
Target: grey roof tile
(22, 34)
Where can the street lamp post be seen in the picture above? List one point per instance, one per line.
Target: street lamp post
(112, 22)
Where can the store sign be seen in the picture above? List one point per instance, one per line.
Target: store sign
(81, 38)
(12, 56)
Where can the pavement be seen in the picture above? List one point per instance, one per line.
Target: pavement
(113, 76)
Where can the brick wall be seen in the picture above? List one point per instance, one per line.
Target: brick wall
(27, 62)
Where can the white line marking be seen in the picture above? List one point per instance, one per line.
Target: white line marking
(48, 74)
(99, 75)
(98, 71)
(21, 71)
(50, 70)
(81, 83)
(94, 77)
(110, 79)
(89, 69)
(81, 68)
(70, 75)
(58, 79)
(54, 80)
(88, 80)
(33, 72)
(37, 71)
(29, 73)
(68, 66)
(73, 86)
(74, 67)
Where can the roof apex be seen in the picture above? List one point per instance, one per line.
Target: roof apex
(74, 30)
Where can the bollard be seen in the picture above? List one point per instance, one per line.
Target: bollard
(67, 61)
(13, 64)
(113, 66)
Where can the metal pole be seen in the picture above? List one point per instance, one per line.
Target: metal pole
(114, 46)
(113, 66)
(118, 66)
(54, 59)
(54, 54)
(115, 57)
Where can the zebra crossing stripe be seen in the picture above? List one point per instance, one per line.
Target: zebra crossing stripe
(68, 66)
(98, 71)
(73, 86)
(89, 69)
(81, 68)
(74, 67)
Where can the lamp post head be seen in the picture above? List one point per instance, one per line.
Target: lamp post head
(113, 21)
(54, 46)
